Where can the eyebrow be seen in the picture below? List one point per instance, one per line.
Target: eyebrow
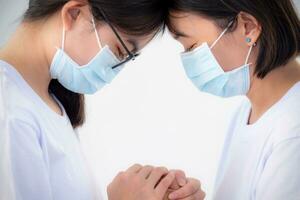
(178, 34)
(134, 44)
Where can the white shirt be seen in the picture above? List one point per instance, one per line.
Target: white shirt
(46, 158)
(262, 161)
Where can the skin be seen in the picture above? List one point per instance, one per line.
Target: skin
(152, 183)
(31, 50)
(43, 36)
(191, 30)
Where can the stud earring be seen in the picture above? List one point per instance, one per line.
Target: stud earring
(248, 40)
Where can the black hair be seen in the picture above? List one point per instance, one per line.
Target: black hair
(280, 37)
(134, 17)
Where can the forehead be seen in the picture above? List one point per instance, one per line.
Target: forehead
(190, 23)
(138, 41)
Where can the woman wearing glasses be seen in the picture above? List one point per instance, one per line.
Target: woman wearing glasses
(62, 50)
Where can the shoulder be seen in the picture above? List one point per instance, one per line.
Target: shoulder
(287, 124)
(16, 107)
(286, 128)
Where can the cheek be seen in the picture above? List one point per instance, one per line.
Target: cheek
(231, 53)
(107, 37)
(82, 48)
(186, 43)
(111, 41)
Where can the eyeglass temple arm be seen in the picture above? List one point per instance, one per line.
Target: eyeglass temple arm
(116, 33)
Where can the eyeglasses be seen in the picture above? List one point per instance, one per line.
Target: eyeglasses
(131, 56)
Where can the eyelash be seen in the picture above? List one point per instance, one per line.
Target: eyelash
(191, 48)
(121, 54)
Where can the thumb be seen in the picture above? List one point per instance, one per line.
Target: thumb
(180, 179)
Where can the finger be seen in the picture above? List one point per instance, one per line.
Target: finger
(145, 171)
(164, 184)
(200, 195)
(175, 185)
(135, 168)
(190, 188)
(156, 175)
(180, 177)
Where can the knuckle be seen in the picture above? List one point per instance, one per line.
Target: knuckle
(120, 174)
(160, 170)
(193, 189)
(196, 185)
(203, 194)
(199, 195)
(196, 181)
(163, 168)
(180, 171)
(199, 183)
(109, 189)
(136, 165)
(123, 177)
(148, 167)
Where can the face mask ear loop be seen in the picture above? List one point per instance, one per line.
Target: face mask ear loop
(96, 32)
(221, 35)
(248, 55)
(63, 38)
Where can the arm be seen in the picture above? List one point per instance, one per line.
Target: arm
(30, 173)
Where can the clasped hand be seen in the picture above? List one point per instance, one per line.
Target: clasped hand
(154, 183)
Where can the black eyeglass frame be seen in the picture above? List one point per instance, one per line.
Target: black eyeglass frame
(131, 55)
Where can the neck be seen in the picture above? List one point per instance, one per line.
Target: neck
(26, 53)
(264, 93)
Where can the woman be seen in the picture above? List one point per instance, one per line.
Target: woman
(61, 50)
(248, 47)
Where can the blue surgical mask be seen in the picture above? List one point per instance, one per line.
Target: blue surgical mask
(205, 72)
(89, 78)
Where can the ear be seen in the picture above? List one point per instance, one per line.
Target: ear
(71, 11)
(251, 28)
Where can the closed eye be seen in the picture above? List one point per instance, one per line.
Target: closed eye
(191, 47)
(121, 54)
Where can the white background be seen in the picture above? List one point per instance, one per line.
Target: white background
(151, 114)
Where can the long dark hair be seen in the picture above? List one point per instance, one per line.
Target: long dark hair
(280, 37)
(134, 17)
